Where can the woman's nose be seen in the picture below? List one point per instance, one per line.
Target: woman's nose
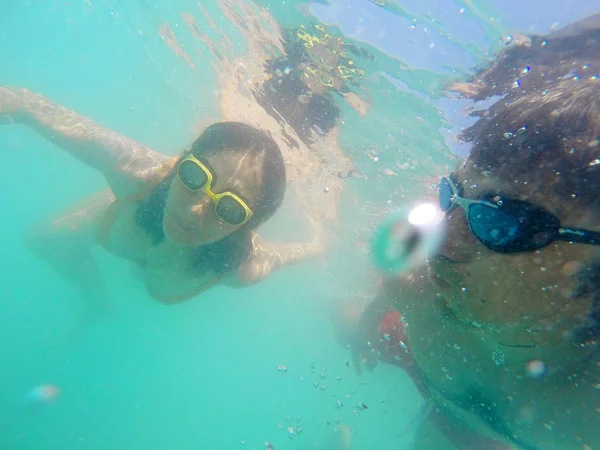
(459, 244)
(201, 207)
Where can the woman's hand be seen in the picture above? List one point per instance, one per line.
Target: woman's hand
(10, 103)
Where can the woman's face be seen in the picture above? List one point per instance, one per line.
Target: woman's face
(190, 218)
(528, 292)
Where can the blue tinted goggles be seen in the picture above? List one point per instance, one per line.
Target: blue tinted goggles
(508, 226)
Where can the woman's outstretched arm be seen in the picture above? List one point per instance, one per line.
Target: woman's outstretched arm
(122, 160)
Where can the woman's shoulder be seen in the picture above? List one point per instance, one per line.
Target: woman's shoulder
(137, 179)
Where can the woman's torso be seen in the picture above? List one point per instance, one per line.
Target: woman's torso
(170, 272)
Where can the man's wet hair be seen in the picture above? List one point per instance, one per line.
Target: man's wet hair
(545, 127)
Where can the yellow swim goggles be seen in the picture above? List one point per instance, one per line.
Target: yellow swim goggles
(229, 207)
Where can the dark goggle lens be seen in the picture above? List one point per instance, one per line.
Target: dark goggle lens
(192, 175)
(231, 211)
(493, 226)
(445, 195)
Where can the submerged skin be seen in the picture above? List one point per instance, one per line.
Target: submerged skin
(132, 170)
(521, 305)
(504, 343)
(471, 306)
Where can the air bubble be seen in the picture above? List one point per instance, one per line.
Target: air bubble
(535, 368)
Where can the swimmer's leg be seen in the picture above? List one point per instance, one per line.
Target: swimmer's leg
(65, 241)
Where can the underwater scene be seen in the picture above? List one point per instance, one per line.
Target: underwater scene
(302, 225)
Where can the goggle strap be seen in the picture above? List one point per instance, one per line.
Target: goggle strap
(578, 235)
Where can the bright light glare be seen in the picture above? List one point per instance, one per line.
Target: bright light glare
(425, 215)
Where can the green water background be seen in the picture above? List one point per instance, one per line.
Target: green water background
(200, 375)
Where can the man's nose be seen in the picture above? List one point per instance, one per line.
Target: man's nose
(459, 244)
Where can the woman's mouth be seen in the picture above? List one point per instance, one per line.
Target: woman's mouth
(180, 226)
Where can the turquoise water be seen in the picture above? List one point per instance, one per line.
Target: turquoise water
(203, 375)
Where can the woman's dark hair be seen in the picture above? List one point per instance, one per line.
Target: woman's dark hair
(227, 254)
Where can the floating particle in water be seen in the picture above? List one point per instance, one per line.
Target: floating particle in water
(461, 10)
(535, 368)
(291, 432)
(282, 369)
(339, 404)
(362, 405)
(268, 446)
(42, 394)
